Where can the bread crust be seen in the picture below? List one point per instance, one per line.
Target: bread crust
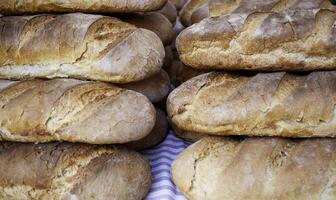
(282, 36)
(73, 110)
(188, 9)
(59, 170)
(266, 104)
(19, 7)
(257, 168)
(78, 46)
(169, 11)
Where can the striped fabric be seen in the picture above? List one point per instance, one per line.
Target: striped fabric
(161, 157)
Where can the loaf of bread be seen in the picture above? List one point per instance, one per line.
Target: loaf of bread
(189, 8)
(78, 46)
(155, 22)
(72, 110)
(266, 104)
(157, 135)
(155, 88)
(17, 7)
(64, 170)
(273, 36)
(257, 168)
(179, 73)
(178, 3)
(169, 11)
(200, 14)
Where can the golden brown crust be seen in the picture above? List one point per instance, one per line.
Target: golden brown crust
(188, 9)
(153, 21)
(19, 7)
(155, 88)
(78, 46)
(58, 170)
(267, 104)
(157, 135)
(73, 110)
(257, 168)
(280, 35)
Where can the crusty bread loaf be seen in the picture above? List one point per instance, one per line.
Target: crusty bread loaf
(169, 11)
(153, 21)
(78, 46)
(62, 170)
(258, 169)
(286, 35)
(17, 7)
(157, 135)
(200, 14)
(178, 3)
(188, 9)
(72, 110)
(155, 88)
(267, 104)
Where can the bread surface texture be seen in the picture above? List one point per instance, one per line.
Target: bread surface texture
(18, 7)
(155, 88)
(265, 104)
(72, 110)
(76, 45)
(62, 170)
(188, 9)
(274, 35)
(258, 169)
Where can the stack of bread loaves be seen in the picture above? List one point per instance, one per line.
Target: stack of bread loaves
(281, 89)
(71, 78)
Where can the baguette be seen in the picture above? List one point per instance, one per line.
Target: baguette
(258, 169)
(188, 9)
(267, 104)
(169, 11)
(157, 135)
(18, 7)
(155, 88)
(155, 22)
(72, 110)
(77, 46)
(283, 36)
(63, 170)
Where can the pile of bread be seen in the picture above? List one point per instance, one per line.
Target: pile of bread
(78, 79)
(265, 126)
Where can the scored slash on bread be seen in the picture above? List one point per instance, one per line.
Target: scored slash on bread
(273, 35)
(72, 110)
(79, 46)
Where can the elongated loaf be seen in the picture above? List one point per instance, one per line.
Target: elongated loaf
(78, 46)
(169, 11)
(63, 170)
(155, 22)
(189, 8)
(286, 35)
(155, 88)
(72, 110)
(16, 7)
(157, 135)
(267, 104)
(257, 168)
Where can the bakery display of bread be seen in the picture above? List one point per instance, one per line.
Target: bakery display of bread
(278, 35)
(265, 104)
(77, 46)
(65, 170)
(257, 168)
(72, 110)
(155, 22)
(169, 11)
(155, 88)
(189, 8)
(15, 7)
(157, 135)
